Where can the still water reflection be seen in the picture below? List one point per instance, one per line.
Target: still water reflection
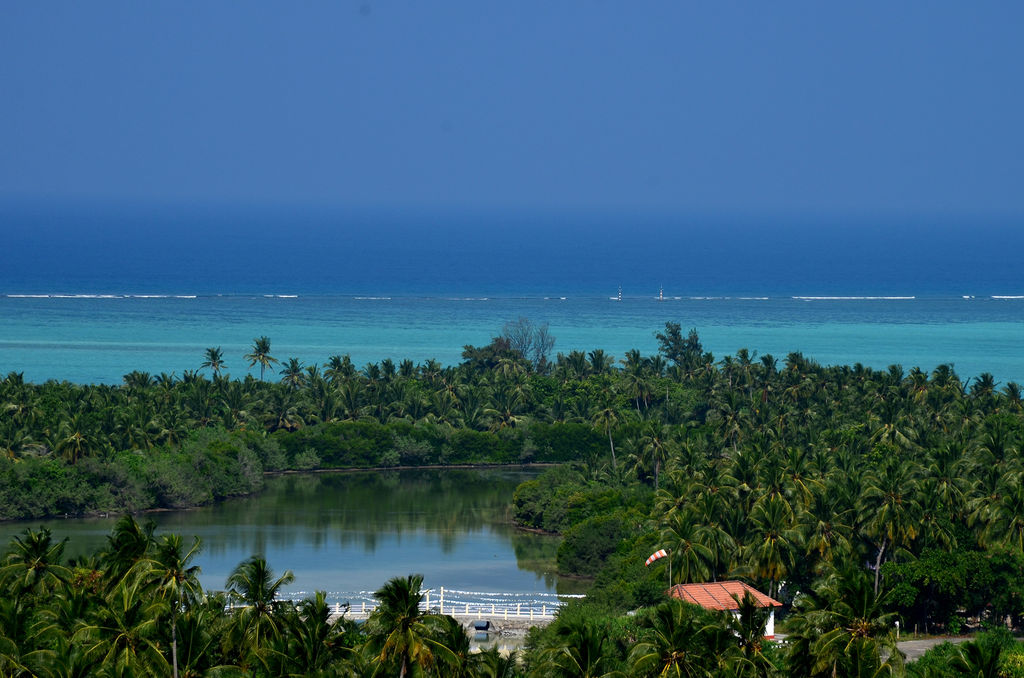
(347, 533)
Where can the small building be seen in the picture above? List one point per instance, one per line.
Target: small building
(725, 595)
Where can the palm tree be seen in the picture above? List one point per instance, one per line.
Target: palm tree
(33, 562)
(123, 633)
(826, 524)
(200, 630)
(688, 556)
(748, 625)
(75, 438)
(1003, 518)
(583, 652)
(607, 418)
(841, 628)
(450, 643)
(494, 663)
(214, 360)
(313, 642)
(177, 582)
(339, 368)
(23, 650)
(891, 508)
(252, 584)
(979, 659)
(293, 375)
(673, 643)
(654, 449)
(399, 630)
(281, 410)
(774, 540)
(600, 363)
(260, 355)
(127, 546)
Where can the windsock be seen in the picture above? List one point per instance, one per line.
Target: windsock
(654, 556)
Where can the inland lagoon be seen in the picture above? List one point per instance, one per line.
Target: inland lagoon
(348, 533)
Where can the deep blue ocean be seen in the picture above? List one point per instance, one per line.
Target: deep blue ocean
(89, 293)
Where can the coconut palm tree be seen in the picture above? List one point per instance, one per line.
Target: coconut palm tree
(260, 355)
(76, 438)
(339, 368)
(123, 634)
(399, 630)
(494, 663)
(673, 642)
(979, 659)
(127, 545)
(655, 449)
(200, 630)
(1003, 519)
(889, 504)
(24, 649)
(748, 627)
(33, 562)
(293, 374)
(177, 581)
(252, 584)
(774, 540)
(450, 644)
(583, 651)
(841, 628)
(313, 642)
(606, 418)
(214, 360)
(688, 557)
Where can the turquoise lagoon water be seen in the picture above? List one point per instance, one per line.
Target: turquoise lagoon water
(99, 338)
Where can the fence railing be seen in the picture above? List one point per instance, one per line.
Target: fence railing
(473, 604)
(493, 606)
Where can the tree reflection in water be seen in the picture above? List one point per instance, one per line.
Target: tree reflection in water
(350, 531)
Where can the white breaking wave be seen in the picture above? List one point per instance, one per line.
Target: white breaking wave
(1008, 296)
(87, 296)
(100, 296)
(855, 298)
(504, 594)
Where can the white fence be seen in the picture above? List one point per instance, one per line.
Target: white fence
(471, 604)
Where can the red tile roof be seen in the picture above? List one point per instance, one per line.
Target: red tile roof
(720, 595)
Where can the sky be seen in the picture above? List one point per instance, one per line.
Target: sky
(662, 107)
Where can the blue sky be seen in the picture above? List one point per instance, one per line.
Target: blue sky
(667, 107)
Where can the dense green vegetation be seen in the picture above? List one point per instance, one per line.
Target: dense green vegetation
(136, 608)
(163, 442)
(857, 497)
(993, 653)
